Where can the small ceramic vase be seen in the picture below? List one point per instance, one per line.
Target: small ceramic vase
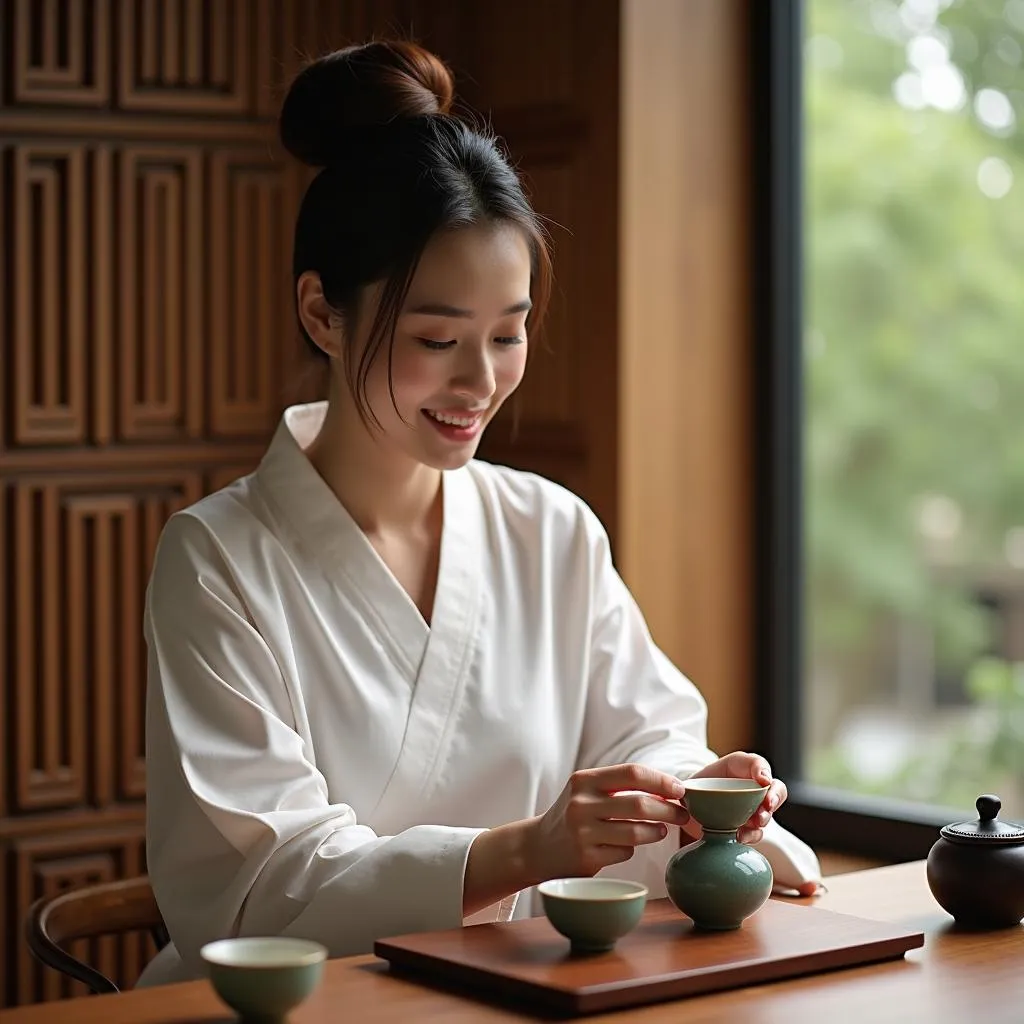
(976, 869)
(718, 881)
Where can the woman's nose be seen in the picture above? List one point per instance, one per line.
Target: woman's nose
(475, 374)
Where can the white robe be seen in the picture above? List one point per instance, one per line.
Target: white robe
(319, 760)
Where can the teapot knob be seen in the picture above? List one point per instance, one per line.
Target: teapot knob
(988, 807)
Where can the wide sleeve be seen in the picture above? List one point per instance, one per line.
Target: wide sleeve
(642, 708)
(242, 836)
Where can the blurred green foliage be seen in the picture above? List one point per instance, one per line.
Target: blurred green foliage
(914, 378)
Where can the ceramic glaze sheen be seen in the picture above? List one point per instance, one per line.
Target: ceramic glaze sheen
(718, 881)
(264, 978)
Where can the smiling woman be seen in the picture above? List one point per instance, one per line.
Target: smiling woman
(455, 352)
(396, 173)
(391, 685)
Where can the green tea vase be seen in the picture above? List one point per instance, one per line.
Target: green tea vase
(718, 881)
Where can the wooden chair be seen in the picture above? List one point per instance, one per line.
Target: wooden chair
(110, 908)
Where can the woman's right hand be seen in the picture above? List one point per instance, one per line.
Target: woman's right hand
(599, 819)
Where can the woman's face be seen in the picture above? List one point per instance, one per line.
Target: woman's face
(460, 345)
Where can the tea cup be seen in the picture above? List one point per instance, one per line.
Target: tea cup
(593, 913)
(263, 978)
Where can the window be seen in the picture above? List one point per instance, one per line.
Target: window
(891, 166)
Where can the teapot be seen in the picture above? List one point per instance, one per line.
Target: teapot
(976, 869)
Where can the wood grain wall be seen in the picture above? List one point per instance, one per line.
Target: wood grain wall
(148, 344)
(144, 306)
(684, 342)
(147, 330)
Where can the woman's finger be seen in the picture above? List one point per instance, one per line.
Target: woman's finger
(605, 856)
(628, 777)
(776, 795)
(626, 833)
(773, 800)
(760, 769)
(742, 765)
(640, 807)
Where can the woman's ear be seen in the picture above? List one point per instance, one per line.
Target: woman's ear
(321, 323)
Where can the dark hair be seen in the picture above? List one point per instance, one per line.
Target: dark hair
(396, 168)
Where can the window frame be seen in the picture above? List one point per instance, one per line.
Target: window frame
(886, 829)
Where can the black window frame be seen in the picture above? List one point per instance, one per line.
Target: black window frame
(890, 830)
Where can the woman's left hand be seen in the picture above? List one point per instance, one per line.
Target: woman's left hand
(740, 765)
(746, 766)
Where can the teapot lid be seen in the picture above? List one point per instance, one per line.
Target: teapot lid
(988, 829)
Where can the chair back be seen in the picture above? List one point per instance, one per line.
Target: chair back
(109, 908)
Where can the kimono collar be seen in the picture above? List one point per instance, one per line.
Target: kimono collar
(312, 512)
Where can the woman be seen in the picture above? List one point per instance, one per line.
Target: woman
(392, 687)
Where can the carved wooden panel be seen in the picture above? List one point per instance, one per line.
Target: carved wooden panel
(53, 861)
(277, 51)
(230, 58)
(85, 368)
(160, 285)
(80, 550)
(250, 286)
(148, 341)
(48, 260)
(60, 52)
(184, 55)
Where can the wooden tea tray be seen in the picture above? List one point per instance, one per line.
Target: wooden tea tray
(663, 958)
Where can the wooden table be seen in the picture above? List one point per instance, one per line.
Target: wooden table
(957, 977)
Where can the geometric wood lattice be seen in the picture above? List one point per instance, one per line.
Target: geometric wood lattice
(147, 342)
(113, 259)
(160, 281)
(61, 56)
(184, 55)
(80, 549)
(48, 280)
(249, 285)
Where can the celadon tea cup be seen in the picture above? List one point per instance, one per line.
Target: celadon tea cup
(262, 979)
(723, 805)
(593, 913)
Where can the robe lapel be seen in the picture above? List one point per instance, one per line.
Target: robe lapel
(331, 539)
(434, 660)
(385, 605)
(445, 667)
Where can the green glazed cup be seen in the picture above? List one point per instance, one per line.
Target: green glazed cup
(723, 805)
(262, 979)
(593, 913)
(718, 881)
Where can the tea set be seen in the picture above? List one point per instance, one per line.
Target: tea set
(975, 871)
(717, 881)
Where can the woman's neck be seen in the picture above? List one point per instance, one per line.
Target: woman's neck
(384, 491)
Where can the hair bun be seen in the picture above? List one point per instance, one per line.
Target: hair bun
(359, 87)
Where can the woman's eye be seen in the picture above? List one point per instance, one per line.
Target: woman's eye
(438, 346)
